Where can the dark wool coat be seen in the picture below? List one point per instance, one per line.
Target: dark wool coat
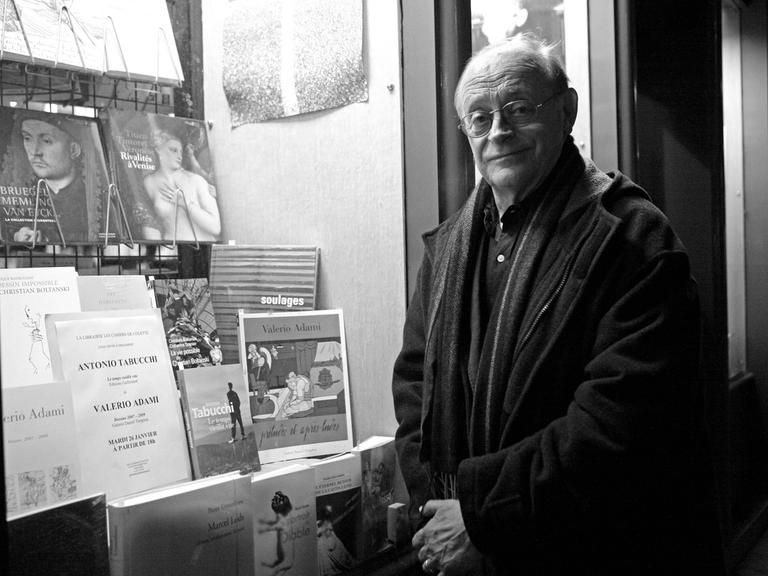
(600, 466)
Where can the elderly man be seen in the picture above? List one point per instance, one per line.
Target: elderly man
(547, 414)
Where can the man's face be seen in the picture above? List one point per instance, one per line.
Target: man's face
(170, 153)
(515, 159)
(50, 150)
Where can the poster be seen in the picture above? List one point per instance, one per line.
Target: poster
(289, 57)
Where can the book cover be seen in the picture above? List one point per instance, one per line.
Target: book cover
(123, 40)
(26, 295)
(41, 33)
(42, 466)
(378, 469)
(53, 179)
(258, 278)
(283, 507)
(66, 539)
(300, 404)
(163, 170)
(114, 292)
(218, 417)
(196, 528)
(139, 44)
(130, 430)
(188, 321)
(339, 514)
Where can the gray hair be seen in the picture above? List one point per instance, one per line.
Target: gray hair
(529, 54)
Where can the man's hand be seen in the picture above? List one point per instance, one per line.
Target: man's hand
(443, 543)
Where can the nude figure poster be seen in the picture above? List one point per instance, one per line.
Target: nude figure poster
(295, 364)
(164, 176)
(53, 178)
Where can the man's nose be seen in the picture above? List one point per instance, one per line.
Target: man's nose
(500, 128)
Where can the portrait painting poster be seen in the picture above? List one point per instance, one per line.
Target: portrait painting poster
(299, 389)
(283, 58)
(53, 178)
(163, 170)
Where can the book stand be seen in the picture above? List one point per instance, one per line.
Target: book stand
(180, 194)
(163, 46)
(113, 197)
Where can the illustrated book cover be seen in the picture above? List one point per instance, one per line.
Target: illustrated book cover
(260, 278)
(121, 39)
(196, 528)
(130, 430)
(218, 418)
(188, 321)
(283, 507)
(42, 466)
(296, 367)
(66, 539)
(163, 171)
(53, 179)
(378, 468)
(114, 292)
(338, 482)
(26, 295)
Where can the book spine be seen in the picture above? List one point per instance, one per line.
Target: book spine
(188, 426)
(119, 554)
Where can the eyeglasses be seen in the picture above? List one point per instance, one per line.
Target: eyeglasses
(516, 113)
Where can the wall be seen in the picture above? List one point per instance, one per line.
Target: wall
(332, 179)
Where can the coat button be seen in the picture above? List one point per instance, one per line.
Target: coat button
(500, 258)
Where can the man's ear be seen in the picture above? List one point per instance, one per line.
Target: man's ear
(74, 150)
(570, 103)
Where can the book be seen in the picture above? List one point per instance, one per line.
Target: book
(42, 466)
(300, 404)
(26, 295)
(131, 434)
(260, 278)
(162, 166)
(283, 507)
(114, 292)
(195, 528)
(378, 469)
(53, 179)
(188, 321)
(68, 539)
(133, 41)
(339, 514)
(218, 418)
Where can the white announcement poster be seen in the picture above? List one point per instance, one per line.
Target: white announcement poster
(130, 430)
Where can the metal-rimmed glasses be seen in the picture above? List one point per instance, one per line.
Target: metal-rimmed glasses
(516, 113)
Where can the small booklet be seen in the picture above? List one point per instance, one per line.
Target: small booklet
(218, 418)
(188, 321)
(295, 364)
(42, 465)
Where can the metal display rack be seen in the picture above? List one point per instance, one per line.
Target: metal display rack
(77, 93)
